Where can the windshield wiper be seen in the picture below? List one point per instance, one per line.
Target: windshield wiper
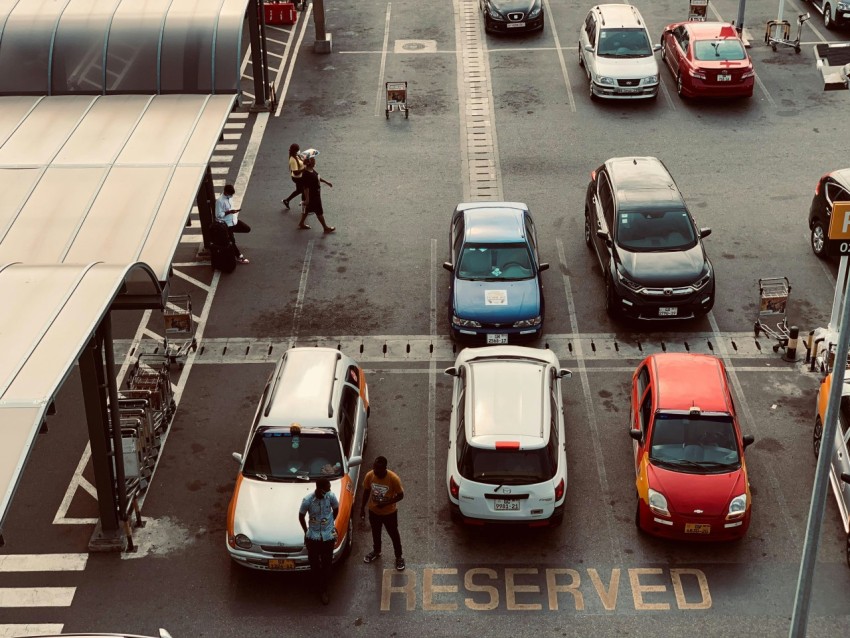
(255, 475)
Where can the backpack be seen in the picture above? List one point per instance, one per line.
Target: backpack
(219, 235)
(222, 257)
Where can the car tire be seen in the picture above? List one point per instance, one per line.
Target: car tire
(611, 306)
(637, 515)
(817, 435)
(663, 51)
(588, 239)
(818, 240)
(847, 550)
(349, 541)
(593, 96)
(454, 514)
(580, 57)
(557, 520)
(679, 90)
(828, 23)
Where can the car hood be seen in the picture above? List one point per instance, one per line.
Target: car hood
(626, 67)
(480, 300)
(663, 269)
(267, 512)
(686, 493)
(506, 6)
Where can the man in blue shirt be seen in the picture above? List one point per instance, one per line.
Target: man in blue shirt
(229, 216)
(320, 535)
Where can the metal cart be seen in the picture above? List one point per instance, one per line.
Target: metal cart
(396, 98)
(773, 306)
(778, 32)
(179, 329)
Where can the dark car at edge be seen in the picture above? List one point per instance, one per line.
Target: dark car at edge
(507, 16)
(832, 187)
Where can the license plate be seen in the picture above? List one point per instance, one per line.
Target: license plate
(697, 528)
(281, 564)
(724, 78)
(497, 339)
(503, 505)
(627, 90)
(668, 312)
(514, 25)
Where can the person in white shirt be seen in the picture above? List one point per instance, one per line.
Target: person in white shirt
(229, 216)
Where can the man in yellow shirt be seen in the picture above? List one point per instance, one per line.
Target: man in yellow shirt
(381, 491)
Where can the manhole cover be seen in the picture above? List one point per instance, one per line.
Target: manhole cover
(415, 46)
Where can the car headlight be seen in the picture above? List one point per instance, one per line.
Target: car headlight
(657, 503)
(737, 507)
(628, 282)
(843, 6)
(603, 80)
(466, 323)
(535, 10)
(650, 79)
(703, 281)
(243, 541)
(493, 13)
(525, 323)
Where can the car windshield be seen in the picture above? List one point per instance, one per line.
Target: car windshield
(647, 231)
(623, 43)
(700, 444)
(495, 262)
(281, 456)
(507, 467)
(719, 50)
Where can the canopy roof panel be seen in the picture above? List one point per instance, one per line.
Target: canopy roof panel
(60, 47)
(103, 178)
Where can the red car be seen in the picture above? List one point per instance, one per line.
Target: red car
(691, 476)
(707, 59)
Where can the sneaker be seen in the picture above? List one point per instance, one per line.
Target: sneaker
(399, 564)
(330, 229)
(285, 202)
(242, 259)
(371, 556)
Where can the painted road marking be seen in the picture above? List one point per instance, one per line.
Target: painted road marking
(36, 596)
(19, 631)
(43, 562)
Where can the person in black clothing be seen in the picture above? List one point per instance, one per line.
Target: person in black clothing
(312, 203)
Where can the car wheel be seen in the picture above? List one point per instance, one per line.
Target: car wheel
(817, 435)
(349, 540)
(637, 515)
(557, 520)
(679, 85)
(818, 241)
(827, 17)
(593, 96)
(611, 300)
(588, 238)
(580, 57)
(663, 52)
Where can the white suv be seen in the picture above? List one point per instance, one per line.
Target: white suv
(617, 53)
(507, 458)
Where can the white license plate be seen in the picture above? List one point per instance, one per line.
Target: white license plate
(497, 339)
(515, 25)
(724, 78)
(668, 312)
(627, 90)
(503, 505)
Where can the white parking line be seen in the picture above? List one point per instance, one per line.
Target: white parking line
(35, 629)
(281, 93)
(36, 596)
(302, 292)
(561, 59)
(379, 101)
(43, 562)
(432, 414)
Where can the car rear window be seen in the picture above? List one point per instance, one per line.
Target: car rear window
(719, 50)
(694, 443)
(646, 231)
(507, 467)
(624, 43)
(495, 262)
(282, 456)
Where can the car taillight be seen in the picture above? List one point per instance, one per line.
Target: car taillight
(820, 181)
(592, 176)
(696, 73)
(750, 72)
(454, 488)
(559, 491)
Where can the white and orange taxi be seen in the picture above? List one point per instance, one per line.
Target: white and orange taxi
(311, 423)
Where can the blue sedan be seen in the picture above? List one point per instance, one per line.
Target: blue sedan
(496, 294)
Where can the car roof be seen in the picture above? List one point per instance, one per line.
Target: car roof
(685, 380)
(637, 173)
(303, 388)
(842, 176)
(494, 224)
(711, 30)
(619, 15)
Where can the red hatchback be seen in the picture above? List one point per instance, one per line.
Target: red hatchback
(691, 476)
(707, 59)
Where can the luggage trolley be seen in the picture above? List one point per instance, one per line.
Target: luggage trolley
(396, 98)
(179, 329)
(772, 319)
(778, 32)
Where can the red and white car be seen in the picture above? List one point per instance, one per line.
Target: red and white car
(707, 59)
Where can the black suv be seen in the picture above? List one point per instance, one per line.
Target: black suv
(832, 187)
(648, 246)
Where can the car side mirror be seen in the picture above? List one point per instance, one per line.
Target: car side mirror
(704, 232)
(448, 266)
(451, 371)
(354, 461)
(543, 266)
(656, 47)
(748, 439)
(588, 48)
(845, 477)
(636, 434)
(237, 457)
(163, 633)
(563, 373)
(602, 234)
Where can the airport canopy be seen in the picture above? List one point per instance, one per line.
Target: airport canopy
(61, 47)
(48, 315)
(103, 178)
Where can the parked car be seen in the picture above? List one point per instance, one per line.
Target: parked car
(708, 59)
(496, 295)
(311, 423)
(832, 187)
(690, 471)
(839, 451)
(648, 246)
(507, 458)
(836, 13)
(617, 53)
(512, 15)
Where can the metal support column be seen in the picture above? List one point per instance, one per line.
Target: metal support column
(323, 39)
(739, 23)
(206, 206)
(114, 417)
(261, 101)
(107, 535)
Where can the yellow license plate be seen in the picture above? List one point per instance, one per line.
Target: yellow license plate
(281, 564)
(697, 528)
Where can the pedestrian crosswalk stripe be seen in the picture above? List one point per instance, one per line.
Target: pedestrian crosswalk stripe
(33, 629)
(36, 596)
(43, 562)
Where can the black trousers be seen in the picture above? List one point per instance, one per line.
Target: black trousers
(390, 521)
(320, 554)
(240, 227)
(299, 189)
